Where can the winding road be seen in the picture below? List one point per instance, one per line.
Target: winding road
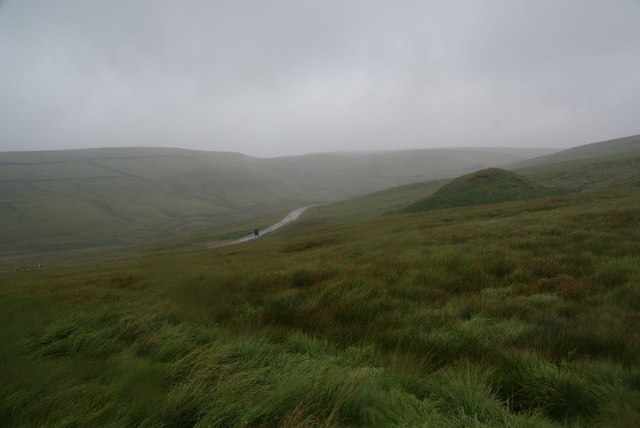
(292, 216)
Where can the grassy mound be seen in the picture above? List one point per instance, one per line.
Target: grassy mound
(488, 186)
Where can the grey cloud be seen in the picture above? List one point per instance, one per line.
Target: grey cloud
(285, 77)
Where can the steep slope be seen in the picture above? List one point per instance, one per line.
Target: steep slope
(488, 186)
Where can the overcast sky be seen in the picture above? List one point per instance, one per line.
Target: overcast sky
(270, 78)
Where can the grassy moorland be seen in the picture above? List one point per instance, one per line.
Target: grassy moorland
(588, 167)
(625, 147)
(597, 166)
(520, 314)
(379, 203)
(587, 174)
(64, 200)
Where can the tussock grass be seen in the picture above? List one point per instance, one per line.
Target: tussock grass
(519, 314)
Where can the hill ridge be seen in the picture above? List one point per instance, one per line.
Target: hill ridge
(617, 147)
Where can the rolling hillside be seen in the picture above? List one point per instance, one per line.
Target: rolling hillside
(609, 164)
(589, 167)
(51, 201)
(376, 204)
(588, 174)
(524, 315)
(616, 148)
(518, 314)
(331, 176)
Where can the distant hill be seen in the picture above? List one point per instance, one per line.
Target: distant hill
(488, 186)
(590, 167)
(332, 176)
(377, 203)
(56, 200)
(613, 163)
(617, 148)
(587, 174)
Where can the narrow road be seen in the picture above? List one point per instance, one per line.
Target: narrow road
(293, 216)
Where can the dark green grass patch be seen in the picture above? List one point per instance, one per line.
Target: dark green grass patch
(488, 186)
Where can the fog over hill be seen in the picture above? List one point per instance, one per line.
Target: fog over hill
(290, 77)
(617, 148)
(68, 199)
(521, 314)
(329, 213)
(603, 165)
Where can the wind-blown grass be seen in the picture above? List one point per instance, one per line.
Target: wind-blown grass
(518, 314)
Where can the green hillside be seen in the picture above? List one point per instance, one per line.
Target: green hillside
(54, 201)
(587, 174)
(612, 168)
(522, 316)
(376, 204)
(332, 176)
(617, 148)
(589, 167)
(488, 186)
